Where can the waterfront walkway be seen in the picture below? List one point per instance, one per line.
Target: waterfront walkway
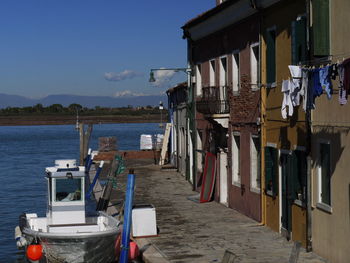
(191, 232)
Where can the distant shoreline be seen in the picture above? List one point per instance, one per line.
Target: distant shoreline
(66, 120)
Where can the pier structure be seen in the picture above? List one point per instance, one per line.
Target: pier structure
(189, 231)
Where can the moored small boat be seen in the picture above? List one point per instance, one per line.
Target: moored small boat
(67, 233)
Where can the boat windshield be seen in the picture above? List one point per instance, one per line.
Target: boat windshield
(68, 189)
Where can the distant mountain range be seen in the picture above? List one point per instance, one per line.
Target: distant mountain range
(86, 101)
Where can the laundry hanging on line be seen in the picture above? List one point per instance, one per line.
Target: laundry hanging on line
(307, 84)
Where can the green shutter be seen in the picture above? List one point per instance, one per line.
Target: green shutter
(268, 169)
(271, 165)
(295, 173)
(274, 154)
(325, 174)
(320, 27)
(271, 56)
(299, 42)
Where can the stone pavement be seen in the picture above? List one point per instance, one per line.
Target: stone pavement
(191, 232)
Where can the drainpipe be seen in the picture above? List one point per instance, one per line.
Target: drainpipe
(308, 140)
(254, 5)
(191, 97)
(262, 128)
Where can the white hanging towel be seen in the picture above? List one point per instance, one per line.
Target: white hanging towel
(295, 71)
(296, 88)
(287, 102)
(304, 86)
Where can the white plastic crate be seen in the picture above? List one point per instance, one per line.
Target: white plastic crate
(144, 221)
(146, 142)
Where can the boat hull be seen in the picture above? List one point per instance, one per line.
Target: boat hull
(93, 249)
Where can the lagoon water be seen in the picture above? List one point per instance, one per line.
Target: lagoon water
(25, 151)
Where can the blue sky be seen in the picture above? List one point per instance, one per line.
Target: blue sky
(92, 47)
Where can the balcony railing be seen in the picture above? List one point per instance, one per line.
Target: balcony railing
(214, 100)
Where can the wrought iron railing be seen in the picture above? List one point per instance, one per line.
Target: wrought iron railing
(214, 100)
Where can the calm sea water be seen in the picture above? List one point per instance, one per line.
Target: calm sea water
(25, 151)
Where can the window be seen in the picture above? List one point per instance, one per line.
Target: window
(199, 79)
(68, 189)
(235, 72)
(236, 177)
(324, 174)
(255, 163)
(223, 71)
(254, 65)
(271, 57)
(299, 44)
(212, 73)
(271, 171)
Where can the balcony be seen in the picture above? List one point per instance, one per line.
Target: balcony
(214, 100)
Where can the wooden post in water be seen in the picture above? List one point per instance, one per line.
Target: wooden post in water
(87, 137)
(84, 138)
(102, 204)
(81, 143)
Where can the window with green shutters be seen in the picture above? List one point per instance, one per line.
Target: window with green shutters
(299, 42)
(320, 27)
(271, 171)
(271, 56)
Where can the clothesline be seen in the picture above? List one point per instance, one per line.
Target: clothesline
(326, 58)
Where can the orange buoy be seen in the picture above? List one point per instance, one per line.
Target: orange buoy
(34, 252)
(133, 250)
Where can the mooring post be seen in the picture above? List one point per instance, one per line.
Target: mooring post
(81, 143)
(87, 136)
(127, 217)
(84, 138)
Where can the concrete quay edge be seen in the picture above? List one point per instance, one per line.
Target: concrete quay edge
(150, 253)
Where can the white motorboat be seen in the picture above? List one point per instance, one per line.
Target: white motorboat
(67, 233)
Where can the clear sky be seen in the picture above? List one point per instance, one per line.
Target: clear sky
(92, 47)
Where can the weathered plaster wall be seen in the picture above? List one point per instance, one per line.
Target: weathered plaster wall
(331, 122)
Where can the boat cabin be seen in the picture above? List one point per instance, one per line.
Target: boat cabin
(66, 193)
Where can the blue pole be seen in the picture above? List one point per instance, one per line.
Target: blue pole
(89, 164)
(92, 185)
(87, 161)
(127, 217)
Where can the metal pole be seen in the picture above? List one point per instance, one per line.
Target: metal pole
(308, 143)
(127, 217)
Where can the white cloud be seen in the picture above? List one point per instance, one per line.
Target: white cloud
(119, 76)
(163, 78)
(128, 93)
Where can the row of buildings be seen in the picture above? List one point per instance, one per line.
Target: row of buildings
(281, 148)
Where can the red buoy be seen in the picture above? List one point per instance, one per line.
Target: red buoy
(133, 251)
(34, 252)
